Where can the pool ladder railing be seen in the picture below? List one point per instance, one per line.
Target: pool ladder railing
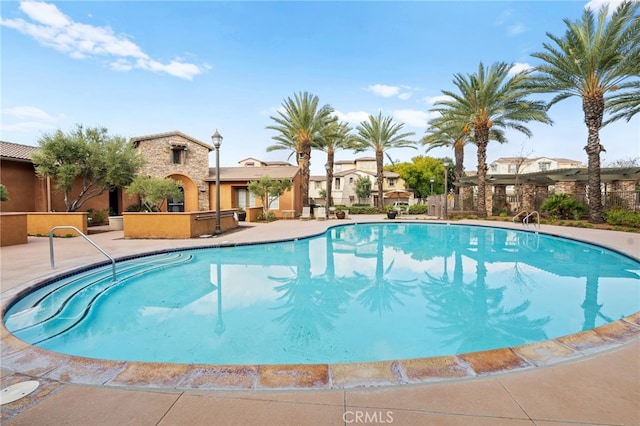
(51, 256)
(527, 216)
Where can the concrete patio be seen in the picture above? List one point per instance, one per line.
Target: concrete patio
(598, 385)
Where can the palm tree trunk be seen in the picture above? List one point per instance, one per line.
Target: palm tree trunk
(380, 178)
(482, 140)
(330, 155)
(593, 113)
(303, 163)
(458, 153)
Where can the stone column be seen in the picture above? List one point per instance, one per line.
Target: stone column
(622, 194)
(542, 193)
(488, 199)
(466, 192)
(528, 197)
(500, 199)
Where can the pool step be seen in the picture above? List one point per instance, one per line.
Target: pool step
(55, 311)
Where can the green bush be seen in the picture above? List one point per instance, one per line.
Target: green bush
(622, 217)
(563, 206)
(363, 210)
(419, 209)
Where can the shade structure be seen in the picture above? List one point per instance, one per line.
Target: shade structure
(398, 193)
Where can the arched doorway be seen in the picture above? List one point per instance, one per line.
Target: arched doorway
(190, 190)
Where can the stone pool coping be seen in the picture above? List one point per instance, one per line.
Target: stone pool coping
(31, 361)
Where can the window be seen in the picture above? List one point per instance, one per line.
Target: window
(512, 168)
(274, 202)
(337, 185)
(318, 184)
(245, 198)
(350, 179)
(545, 166)
(176, 205)
(178, 154)
(391, 181)
(494, 168)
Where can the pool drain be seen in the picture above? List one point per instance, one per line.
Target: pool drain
(17, 391)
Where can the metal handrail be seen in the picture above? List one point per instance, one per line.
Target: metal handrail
(113, 262)
(526, 213)
(525, 221)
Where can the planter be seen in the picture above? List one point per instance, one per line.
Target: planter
(116, 223)
(242, 216)
(340, 214)
(391, 214)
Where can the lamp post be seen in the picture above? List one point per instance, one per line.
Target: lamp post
(217, 141)
(328, 193)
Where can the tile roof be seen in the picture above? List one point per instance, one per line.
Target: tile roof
(252, 173)
(16, 151)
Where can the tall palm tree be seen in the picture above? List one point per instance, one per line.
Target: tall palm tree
(597, 62)
(443, 132)
(333, 135)
(381, 135)
(487, 100)
(298, 126)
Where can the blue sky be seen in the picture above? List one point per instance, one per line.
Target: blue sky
(143, 67)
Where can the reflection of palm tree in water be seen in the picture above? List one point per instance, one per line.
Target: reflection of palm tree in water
(472, 313)
(381, 293)
(310, 303)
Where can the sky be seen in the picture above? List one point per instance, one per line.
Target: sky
(145, 67)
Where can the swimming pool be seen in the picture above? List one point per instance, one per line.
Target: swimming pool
(395, 291)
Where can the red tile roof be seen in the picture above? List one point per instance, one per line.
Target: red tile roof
(16, 151)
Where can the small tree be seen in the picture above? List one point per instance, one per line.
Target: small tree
(363, 188)
(90, 157)
(154, 191)
(268, 190)
(4, 194)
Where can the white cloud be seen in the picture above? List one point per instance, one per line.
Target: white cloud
(596, 5)
(404, 96)
(519, 67)
(53, 29)
(354, 117)
(431, 100)
(516, 29)
(384, 90)
(413, 118)
(27, 112)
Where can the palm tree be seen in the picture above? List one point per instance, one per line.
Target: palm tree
(488, 102)
(596, 62)
(381, 134)
(333, 135)
(443, 132)
(298, 126)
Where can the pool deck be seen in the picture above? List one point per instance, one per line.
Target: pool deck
(588, 379)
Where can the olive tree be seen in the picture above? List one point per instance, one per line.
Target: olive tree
(84, 163)
(269, 190)
(154, 191)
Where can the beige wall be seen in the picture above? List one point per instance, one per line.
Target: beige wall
(175, 225)
(13, 229)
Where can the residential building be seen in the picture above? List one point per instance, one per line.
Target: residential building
(345, 175)
(521, 165)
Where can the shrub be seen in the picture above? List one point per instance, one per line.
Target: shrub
(622, 217)
(563, 206)
(360, 209)
(419, 209)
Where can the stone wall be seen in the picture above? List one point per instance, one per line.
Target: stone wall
(159, 163)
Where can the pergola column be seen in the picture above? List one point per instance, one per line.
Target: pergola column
(622, 194)
(466, 193)
(500, 198)
(528, 197)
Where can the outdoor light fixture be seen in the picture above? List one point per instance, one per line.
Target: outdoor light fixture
(217, 141)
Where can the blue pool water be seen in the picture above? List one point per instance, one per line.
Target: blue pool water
(364, 292)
